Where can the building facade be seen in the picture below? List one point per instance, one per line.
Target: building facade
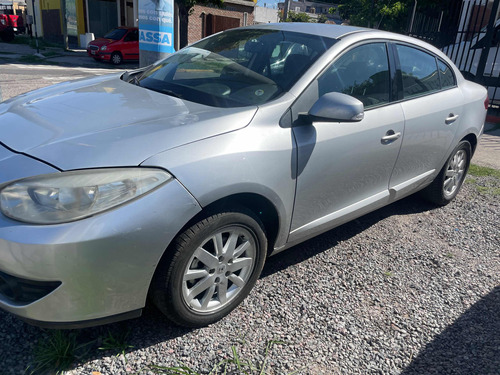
(313, 9)
(205, 21)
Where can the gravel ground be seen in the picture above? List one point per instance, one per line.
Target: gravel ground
(408, 289)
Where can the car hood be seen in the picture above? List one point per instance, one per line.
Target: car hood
(101, 42)
(104, 121)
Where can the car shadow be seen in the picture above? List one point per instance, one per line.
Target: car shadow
(153, 327)
(305, 250)
(471, 345)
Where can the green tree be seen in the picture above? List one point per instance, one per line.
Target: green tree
(185, 9)
(296, 17)
(389, 15)
(322, 18)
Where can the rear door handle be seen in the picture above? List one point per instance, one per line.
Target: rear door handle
(390, 136)
(451, 118)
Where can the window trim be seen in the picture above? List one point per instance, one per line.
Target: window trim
(390, 62)
(396, 88)
(400, 74)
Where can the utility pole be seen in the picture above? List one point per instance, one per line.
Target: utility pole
(413, 18)
(286, 9)
(34, 24)
(64, 24)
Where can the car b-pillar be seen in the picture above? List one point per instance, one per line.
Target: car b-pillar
(156, 30)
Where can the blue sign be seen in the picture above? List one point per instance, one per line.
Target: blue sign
(156, 25)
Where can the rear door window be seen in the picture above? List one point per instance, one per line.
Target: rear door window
(419, 71)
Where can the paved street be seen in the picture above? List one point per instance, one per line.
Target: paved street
(16, 78)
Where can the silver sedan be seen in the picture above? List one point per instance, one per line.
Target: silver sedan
(178, 180)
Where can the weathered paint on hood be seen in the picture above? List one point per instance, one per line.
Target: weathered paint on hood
(104, 121)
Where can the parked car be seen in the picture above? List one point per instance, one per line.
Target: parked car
(116, 46)
(10, 24)
(178, 180)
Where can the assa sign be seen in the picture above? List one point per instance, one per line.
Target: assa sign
(156, 38)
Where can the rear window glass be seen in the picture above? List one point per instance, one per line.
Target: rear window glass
(419, 70)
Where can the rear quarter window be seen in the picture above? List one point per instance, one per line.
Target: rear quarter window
(446, 75)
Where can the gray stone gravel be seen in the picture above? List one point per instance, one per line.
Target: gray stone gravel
(408, 289)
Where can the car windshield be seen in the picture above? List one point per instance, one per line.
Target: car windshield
(116, 34)
(236, 68)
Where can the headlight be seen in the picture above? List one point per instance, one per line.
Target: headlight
(104, 48)
(68, 196)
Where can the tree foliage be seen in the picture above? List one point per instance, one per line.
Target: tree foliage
(392, 15)
(322, 18)
(296, 17)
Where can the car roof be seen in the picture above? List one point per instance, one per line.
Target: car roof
(321, 29)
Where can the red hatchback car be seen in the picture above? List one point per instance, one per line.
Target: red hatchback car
(116, 46)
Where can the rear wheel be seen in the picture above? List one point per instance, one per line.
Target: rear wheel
(448, 182)
(211, 268)
(116, 58)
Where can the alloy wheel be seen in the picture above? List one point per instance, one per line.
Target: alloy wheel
(219, 269)
(455, 173)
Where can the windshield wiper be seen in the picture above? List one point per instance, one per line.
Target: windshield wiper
(135, 81)
(170, 92)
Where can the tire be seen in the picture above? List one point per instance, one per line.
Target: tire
(448, 182)
(200, 280)
(116, 58)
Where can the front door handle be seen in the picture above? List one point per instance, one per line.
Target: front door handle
(451, 118)
(390, 136)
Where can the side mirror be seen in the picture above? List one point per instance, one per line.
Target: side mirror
(334, 106)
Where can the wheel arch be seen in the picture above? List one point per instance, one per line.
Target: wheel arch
(472, 139)
(259, 205)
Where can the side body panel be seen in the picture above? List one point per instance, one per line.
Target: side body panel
(258, 159)
(428, 135)
(341, 165)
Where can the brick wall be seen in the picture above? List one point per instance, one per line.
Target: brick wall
(196, 19)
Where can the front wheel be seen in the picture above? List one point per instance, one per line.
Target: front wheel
(210, 269)
(116, 58)
(448, 182)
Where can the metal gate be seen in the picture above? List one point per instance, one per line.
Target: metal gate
(468, 31)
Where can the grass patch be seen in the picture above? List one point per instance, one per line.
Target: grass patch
(30, 59)
(117, 342)
(388, 274)
(234, 364)
(56, 352)
(42, 44)
(476, 170)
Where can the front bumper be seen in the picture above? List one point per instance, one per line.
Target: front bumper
(101, 266)
(99, 55)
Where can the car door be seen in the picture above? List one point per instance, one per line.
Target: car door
(432, 107)
(131, 45)
(344, 168)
